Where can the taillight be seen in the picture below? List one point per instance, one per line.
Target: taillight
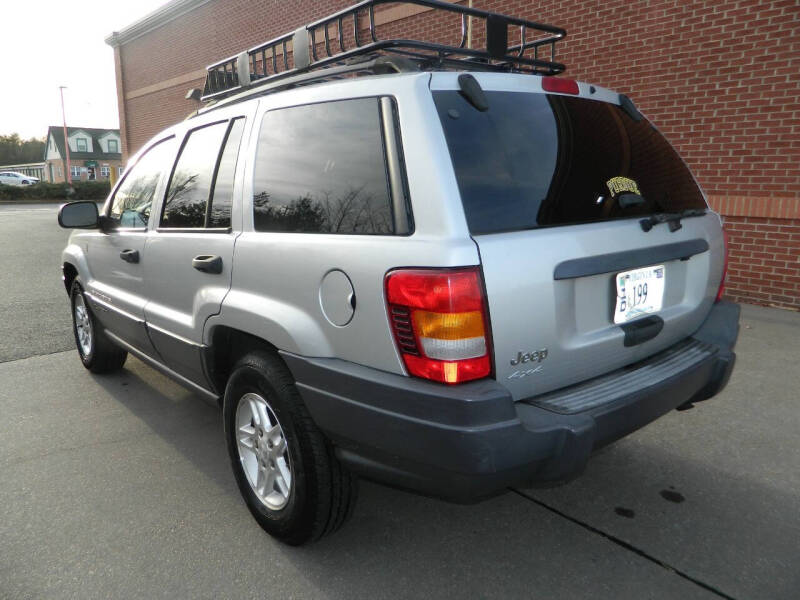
(560, 85)
(721, 289)
(439, 322)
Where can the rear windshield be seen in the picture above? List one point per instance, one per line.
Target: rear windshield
(535, 160)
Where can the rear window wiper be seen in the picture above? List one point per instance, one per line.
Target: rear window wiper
(671, 219)
(628, 199)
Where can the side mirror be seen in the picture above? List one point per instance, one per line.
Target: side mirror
(78, 215)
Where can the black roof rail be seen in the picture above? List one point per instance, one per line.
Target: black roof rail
(312, 48)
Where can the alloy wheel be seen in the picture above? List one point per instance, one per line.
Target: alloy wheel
(263, 451)
(83, 325)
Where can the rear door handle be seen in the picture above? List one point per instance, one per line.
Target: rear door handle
(208, 263)
(131, 256)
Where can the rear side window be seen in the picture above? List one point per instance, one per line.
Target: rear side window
(222, 192)
(190, 185)
(133, 199)
(536, 160)
(321, 168)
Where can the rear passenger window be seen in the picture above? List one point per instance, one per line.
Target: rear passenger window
(222, 195)
(321, 168)
(190, 185)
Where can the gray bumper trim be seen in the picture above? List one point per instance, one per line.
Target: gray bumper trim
(607, 388)
(470, 441)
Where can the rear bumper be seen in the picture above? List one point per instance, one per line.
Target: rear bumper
(471, 441)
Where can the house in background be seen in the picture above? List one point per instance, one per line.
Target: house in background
(93, 153)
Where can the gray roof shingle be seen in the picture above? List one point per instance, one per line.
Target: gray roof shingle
(57, 131)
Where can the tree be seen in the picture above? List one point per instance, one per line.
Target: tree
(14, 150)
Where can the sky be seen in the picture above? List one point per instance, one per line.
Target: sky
(45, 44)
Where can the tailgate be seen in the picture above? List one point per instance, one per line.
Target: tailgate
(555, 188)
(566, 326)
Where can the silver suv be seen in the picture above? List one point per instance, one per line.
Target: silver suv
(453, 273)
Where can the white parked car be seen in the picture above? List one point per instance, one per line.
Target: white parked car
(14, 178)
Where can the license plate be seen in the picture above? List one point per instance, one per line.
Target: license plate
(639, 292)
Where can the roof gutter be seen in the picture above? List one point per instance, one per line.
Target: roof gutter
(159, 17)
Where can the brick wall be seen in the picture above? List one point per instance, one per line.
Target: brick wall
(719, 78)
(763, 260)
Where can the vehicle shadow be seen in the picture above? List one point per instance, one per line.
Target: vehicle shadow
(732, 531)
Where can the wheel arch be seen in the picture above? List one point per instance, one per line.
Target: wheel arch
(69, 273)
(226, 346)
(73, 264)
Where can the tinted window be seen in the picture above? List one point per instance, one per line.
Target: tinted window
(321, 169)
(134, 197)
(536, 159)
(190, 185)
(220, 214)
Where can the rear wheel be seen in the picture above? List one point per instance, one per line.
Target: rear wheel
(286, 471)
(98, 353)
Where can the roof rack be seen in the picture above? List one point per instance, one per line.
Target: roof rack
(312, 47)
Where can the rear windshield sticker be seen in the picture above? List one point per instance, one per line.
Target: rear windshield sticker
(617, 185)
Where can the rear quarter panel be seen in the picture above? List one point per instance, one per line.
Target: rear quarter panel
(277, 276)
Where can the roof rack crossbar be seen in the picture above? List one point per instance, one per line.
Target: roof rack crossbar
(233, 74)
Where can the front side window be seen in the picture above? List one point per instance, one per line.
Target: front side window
(321, 168)
(80, 144)
(133, 199)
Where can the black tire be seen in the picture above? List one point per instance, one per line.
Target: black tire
(102, 355)
(322, 493)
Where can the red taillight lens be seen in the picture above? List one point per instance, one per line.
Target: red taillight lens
(439, 322)
(560, 85)
(721, 289)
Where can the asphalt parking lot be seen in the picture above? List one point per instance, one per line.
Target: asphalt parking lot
(119, 486)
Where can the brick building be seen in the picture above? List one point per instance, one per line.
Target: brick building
(720, 79)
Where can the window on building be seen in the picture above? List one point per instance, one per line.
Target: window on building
(74, 172)
(80, 144)
(105, 171)
(320, 168)
(120, 171)
(130, 206)
(113, 146)
(60, 172)
(189, 188)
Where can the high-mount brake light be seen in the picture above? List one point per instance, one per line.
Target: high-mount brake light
(560, 85)
(439, 322)
(721, 289)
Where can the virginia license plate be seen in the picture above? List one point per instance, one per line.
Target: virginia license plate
(639, 292)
